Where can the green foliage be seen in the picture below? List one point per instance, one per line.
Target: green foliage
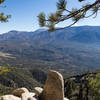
(3, 18)
(21, 77)
(77, 16)
(53, 17)
(51, 27)
(42, 19)
(61, 5)
(59, 13)
(1, 1)
(5, 90)
(83, 87)
(94, 84)
(63, 14)
(4, 70)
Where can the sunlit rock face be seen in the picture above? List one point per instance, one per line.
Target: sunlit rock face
(54, 87)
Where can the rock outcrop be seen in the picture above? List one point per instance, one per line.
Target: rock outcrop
(38, 90)
(9, 97)
(28, 96)
(53, 90)
(18, 92)
(54, 87)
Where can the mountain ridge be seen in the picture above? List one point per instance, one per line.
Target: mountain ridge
(61, 50)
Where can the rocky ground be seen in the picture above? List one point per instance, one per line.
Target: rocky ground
(53, 90)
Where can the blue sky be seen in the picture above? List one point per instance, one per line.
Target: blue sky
(24, 14)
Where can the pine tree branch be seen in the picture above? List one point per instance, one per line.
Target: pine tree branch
(75, 14)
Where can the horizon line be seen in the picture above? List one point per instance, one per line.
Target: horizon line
(45, 29)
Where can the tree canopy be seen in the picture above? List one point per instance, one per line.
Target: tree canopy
(3, 17)
(94, 85)
(62, 14)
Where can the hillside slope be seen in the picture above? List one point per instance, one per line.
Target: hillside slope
(72, 50)
(21, 77)
(76, 87)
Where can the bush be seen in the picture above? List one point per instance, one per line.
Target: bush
(4, 70)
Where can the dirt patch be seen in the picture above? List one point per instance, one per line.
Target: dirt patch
(6, 55)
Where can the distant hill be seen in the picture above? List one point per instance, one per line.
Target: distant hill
(87, 35)
(70, 51)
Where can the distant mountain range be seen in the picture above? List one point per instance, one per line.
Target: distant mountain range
(70, 51)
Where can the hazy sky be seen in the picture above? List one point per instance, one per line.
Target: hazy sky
(24, 14)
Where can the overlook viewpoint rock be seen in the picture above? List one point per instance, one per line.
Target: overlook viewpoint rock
(54, 87)
(53, 90)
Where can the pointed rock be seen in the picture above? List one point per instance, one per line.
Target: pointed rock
(54, 87)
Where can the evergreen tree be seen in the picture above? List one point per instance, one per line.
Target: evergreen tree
(3, 17)
(63, 14)
(69, 88)
(80, 96)
(94, 85)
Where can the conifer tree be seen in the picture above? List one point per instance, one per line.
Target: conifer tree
(94, 86)
(62, 14)
(3, 17)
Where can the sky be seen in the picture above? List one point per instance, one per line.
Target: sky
(24, 14)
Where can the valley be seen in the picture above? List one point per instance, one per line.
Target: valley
(70, 51)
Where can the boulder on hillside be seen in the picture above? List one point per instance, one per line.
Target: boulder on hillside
(9, 97)
(18, 92)
(54, 87)
(38, 90)
(28, 96)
